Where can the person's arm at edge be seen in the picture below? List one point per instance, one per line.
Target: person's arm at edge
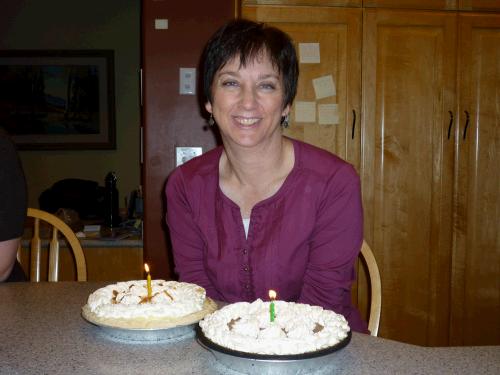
(8, 252)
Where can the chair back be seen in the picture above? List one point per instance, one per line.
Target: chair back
(375, 288)
(56, 226)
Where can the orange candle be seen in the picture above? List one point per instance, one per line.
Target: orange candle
(272, 313)
(150, 290)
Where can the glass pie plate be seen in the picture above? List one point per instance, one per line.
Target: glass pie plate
(267, 364)
(147, 331)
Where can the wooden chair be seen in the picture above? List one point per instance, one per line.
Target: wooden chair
(57, 226)
(375, 288)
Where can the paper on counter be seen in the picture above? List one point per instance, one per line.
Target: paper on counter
(305, 111)
(328, 114)
(309, 53)
(324, 87)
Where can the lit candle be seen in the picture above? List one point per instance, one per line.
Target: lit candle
(272, 313)
(150, 290)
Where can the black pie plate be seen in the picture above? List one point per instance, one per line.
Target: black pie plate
(251, 363)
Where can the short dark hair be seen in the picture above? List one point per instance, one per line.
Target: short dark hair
(247, 40)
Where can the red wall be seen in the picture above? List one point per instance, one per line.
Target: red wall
(170, 119)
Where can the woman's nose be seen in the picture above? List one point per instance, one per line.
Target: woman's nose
(248, 97)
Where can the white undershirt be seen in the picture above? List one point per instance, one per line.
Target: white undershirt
(246, 225)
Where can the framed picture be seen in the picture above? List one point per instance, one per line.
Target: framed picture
(58, 100)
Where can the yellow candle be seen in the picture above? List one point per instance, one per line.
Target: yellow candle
(150, 290)
(272, 312)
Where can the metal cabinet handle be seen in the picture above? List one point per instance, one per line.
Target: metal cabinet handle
(466, 124)
(451, 123)
(353, 123)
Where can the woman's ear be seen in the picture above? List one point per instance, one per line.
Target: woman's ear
(208, 107)
(286, 111)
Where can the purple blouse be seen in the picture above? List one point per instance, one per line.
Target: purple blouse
(302, 242)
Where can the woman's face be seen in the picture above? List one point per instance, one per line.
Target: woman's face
(247, 102)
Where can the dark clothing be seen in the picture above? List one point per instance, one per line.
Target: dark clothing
(13, 202)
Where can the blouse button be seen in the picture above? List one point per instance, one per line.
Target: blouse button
(247, 286)
(245, 268)
(245, 251)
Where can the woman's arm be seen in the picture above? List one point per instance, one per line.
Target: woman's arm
(187, 242)
(334, 247)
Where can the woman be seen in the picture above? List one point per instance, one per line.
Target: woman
(263, 211)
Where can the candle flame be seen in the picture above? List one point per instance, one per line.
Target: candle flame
(272, 294)
(146, 267)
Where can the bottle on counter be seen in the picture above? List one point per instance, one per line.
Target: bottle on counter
(111, 212)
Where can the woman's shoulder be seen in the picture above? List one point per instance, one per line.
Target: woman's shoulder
(322, 163)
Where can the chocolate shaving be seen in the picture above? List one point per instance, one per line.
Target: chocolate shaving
(145, 299)
(168, 295)
(232, 322)
(318, 328)
(115, 294)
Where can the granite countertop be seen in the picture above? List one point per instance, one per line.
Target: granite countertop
(43, 332)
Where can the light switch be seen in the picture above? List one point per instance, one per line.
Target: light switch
(161, 24)
(187, 81)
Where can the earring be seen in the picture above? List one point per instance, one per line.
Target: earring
(284, 121)
(211, 120)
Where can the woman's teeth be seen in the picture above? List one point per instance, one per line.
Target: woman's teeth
(247, 121)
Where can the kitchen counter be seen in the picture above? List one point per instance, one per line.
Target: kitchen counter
(43, 332)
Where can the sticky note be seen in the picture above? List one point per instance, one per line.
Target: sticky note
(324, 87)
(309, 53)
(328, 114)
(305, 111)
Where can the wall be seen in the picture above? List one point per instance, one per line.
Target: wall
(83, 24)
(171, 119)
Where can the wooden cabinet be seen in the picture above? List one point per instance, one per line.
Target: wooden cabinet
(338, 34)
(413, 4)
(346, 3)
(475, 5)
(431, 197)
(407, 175)
(106, 260)
(479, 5)
(430, 172)
(475, 299)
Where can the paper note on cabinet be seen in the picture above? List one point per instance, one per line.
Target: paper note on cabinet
(324, 87)
(305, 111)
(328, 114)
(309, 53)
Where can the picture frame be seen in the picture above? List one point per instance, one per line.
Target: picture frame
(58, 99)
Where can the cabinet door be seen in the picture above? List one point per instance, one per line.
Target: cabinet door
(479, 4)
(347, 3)
(413, 4)
(407, 167)
(476, 261)
(337, 34)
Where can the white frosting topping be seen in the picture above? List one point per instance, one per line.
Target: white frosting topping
(298, 328)
(128, 299)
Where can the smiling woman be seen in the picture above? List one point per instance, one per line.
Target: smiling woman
(263, 211)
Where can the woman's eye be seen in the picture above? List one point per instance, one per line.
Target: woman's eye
(229, 83)
(267, 86)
